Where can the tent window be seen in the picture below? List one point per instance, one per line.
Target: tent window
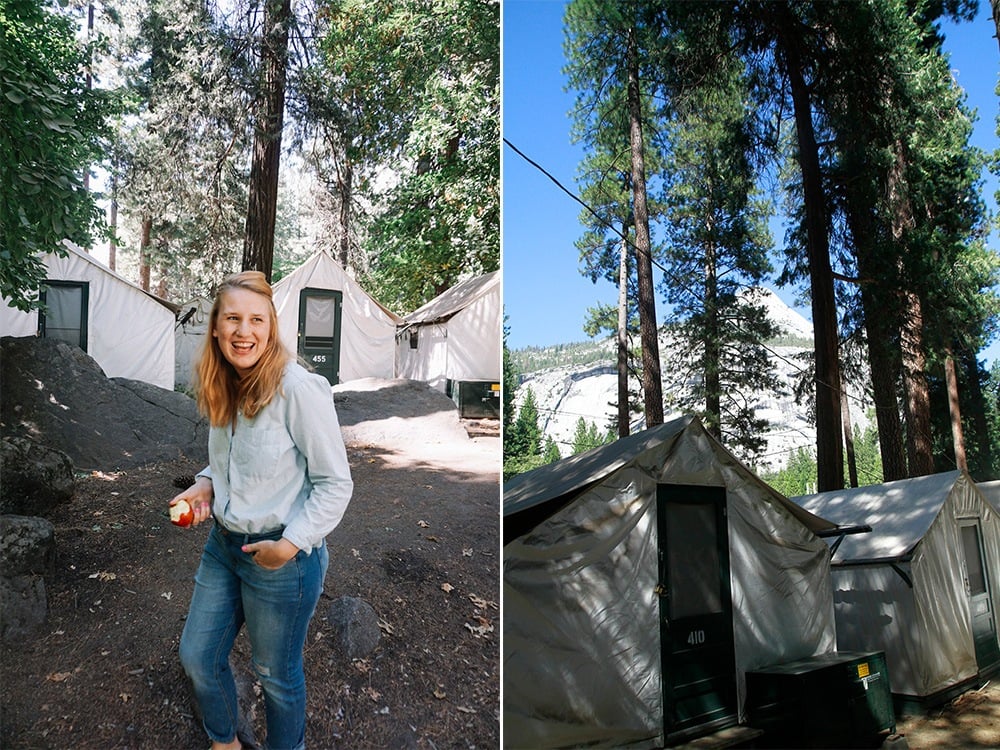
(64, 313)
(413, 338)
(973, 559)
(319, 317)
(695, 568)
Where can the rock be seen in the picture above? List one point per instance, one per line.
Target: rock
(27, 554)
(56, 395)
(354, 625)
(27, 546)
(23, 606)
(36, 478)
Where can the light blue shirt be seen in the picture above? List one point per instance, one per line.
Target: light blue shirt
(285, 467)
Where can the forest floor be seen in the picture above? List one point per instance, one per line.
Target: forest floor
(419, 543)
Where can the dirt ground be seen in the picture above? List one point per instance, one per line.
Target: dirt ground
(419, 543)
(972, 720)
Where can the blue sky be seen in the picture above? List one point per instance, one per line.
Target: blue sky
(545, 297)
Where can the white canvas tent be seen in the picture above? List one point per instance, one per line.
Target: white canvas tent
(601, 637)
(189, 337)
(922, 586)
(326, 316)
(457, 336)
(128, 332)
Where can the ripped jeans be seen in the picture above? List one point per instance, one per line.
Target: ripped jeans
(230, 591)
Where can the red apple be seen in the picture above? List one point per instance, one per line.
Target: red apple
(181, 513)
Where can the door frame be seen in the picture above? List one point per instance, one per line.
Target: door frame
(976, 523)
(84, 287)
(302, 345)
(683, 639)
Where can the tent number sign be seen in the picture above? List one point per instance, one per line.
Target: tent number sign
(696, 637)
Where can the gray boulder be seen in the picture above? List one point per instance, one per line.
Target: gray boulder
(27, 555)
(35, 478)
(58, 396)
(354, 626)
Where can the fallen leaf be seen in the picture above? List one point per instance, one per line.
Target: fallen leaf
(362, 665)
(482, 603)
(385, 627)
(432, 539)
(447, 588)
(371, 693)
(423, 524)
(440, 694)
(466, 552)
(58, 676)
(103, 575)
(484, 627)
(355, 552)
(125, 697)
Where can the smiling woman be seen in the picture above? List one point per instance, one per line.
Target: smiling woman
(277, 483)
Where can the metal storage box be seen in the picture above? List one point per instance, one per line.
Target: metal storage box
(475, 398)
(836, 700)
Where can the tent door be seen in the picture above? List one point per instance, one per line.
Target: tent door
(64, 311)
(984, 629)
(696, 618)
(320, 313)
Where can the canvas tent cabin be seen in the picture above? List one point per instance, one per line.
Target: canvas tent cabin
(189, 337)
(634, 567)
(922, 586)
(336, 326)
(454, 343)
(128, 332)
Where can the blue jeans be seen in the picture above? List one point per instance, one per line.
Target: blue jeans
(230, 591)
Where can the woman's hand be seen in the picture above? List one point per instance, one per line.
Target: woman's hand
(271, 553)
(199, 497)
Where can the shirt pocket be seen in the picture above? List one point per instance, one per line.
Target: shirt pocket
(258, 453)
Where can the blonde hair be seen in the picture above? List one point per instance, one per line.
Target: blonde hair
(220, 390)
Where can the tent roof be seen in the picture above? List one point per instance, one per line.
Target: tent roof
(544, 490)
(83, 254)
(899, 513)
(991, 491)
(454, 300)
(314, 266)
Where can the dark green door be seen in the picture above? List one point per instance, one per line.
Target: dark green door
(319, 330)
(984, 628)
(696, 617)
(64, 312)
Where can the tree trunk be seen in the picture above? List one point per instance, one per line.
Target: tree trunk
(258, 246)
(145, 235)
(884, 366)
(918, 399)
(919, 443)
(345, 180)
(852, 462)
(113, 222)
(163, 286)
(955, 411)
(829, 456)
(977, 412)
(652, 385)
(882, 358)
(995, 5)
(713, 384)
(623, 405)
